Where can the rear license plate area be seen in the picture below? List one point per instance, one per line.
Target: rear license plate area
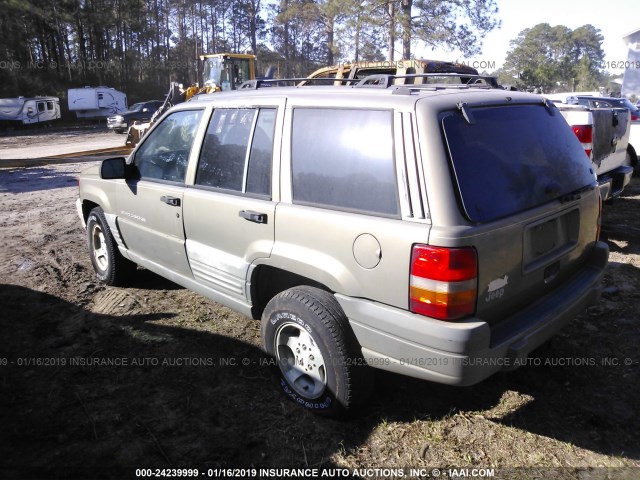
(549, 239)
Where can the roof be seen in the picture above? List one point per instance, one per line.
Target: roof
(398, 96)
(21, 100)
(626, 35)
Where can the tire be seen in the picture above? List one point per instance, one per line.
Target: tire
(109, 264)
(318, 360)
(119, 131)
(631, 160)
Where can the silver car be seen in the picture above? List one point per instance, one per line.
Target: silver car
(440, 231)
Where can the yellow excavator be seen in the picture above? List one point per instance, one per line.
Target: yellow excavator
(221, 72)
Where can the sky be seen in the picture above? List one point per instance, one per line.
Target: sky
(614, 18)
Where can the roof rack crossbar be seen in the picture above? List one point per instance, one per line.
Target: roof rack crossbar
(387, 80)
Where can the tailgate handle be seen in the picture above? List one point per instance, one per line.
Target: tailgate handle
(173, 201)
(252, 216)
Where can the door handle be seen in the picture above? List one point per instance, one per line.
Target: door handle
(252, 216)
(173, 201)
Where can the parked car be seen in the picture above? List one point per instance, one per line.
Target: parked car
(140, 112)
(603, 102)
(441, 233)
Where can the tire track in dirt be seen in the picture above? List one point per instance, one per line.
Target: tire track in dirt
(114, 302)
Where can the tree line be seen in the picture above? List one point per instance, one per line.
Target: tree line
(139, 46)
(547, 59)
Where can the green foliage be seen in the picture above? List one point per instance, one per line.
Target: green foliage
(460, 24)
(556, 58)
(140, 46)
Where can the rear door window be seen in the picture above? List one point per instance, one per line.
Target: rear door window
(237, 151)
(343, 159)
(512, 158)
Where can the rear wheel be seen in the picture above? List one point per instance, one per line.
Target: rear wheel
(109, 264)
(319, 361)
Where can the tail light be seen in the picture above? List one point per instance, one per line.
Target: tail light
(634, 118)
(585, 135)
(444, 282)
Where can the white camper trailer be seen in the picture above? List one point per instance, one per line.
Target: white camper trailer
(95, 102)
(28, 110)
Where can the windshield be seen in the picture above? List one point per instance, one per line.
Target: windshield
(212, 71)
(227, 73)
(136, 107)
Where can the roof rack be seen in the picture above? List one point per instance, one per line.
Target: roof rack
(467, 80)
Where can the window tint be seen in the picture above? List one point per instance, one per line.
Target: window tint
(344, 159)
(513, 158)
(165, 153)
(259, 171)
(237, 150)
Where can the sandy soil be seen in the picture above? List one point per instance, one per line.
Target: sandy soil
(45, 142)
(96, 382)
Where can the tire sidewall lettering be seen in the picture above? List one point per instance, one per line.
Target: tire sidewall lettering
(328, 401)
(280, 316)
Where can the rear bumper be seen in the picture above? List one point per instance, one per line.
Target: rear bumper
(465, 353)
(612, 183)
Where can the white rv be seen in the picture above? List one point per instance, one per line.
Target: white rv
(28, 110)
(93, 102)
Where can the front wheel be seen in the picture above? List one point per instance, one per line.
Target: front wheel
(319, 361)
(109, 264)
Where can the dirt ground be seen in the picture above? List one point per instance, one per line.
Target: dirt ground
(38, 141)
(96, 382)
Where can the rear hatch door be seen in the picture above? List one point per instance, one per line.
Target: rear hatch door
(528, 193)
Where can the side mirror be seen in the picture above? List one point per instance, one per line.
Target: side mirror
(113, 168)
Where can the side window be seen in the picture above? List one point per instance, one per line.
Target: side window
(49, 105)
(41, 107)
(343, 159)
(602, 104)
(237, 150)
(259, 170)
(165, 153)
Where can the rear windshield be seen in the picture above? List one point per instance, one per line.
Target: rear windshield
(512, 158)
